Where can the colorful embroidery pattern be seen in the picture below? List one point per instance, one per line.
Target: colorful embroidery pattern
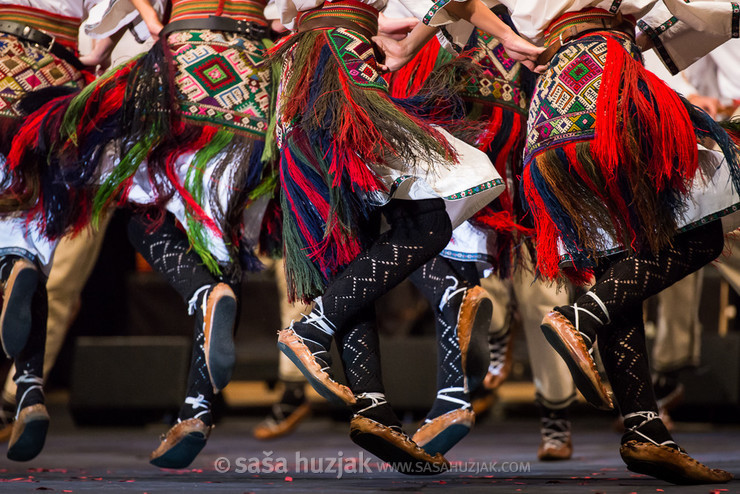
(24, 67)
(564, 104)
(439, 4)
(222, 80)
(501, 78)
(251, 10)
(355, 54)
(64, 29)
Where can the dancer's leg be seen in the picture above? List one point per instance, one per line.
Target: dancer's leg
(31, 419)
(168, 251)
(463, 316)
(612, 310)
(375, 425)
(419, 230)
(620, 290)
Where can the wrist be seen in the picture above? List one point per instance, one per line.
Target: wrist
(508, 36)
(407, 48)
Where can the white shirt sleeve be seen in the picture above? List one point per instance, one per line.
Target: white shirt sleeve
(683, 32)
(432, 13)
(117, 15)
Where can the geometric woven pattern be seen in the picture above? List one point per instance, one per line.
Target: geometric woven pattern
(564, 104)
(223, 79)
(356, 55)
(25, 67)
(500, 80)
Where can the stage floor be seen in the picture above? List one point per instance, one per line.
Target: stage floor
(498, 456)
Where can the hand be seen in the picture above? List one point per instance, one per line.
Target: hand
(99, 56)
(155, 27)
(643, 41)
(521, 50)
(277, 26)
(397, 54)
(709, 105)
(394, 27)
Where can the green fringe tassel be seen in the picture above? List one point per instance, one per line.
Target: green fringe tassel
(194, 185)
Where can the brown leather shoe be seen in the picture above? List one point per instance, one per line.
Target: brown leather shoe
(440, 434)
(567, 341)
(669, 464)
(5, 432)
(15, 319)
(555, 450)
(219, 318)
(473, 323)
(394, 447)
(270, 428)
(29, 433)
(181, 444)
(499, 370)
(483, 402)
(293, 347)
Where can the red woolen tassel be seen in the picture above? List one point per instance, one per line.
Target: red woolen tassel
(407, 81)
(663, 127)
(547, 232)
(28, 135)
(494, 121)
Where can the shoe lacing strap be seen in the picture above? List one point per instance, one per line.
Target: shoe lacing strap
(198, 402)
(450, 291)
(279, 412)
(498, 344)
(193, 302)
(326, 367)
(376, 399)
(555, 432)
(442, 395)
(27, 378)
(648, 416)
(318, 319)
(577, 309)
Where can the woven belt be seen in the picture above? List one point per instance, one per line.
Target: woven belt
(43, 40)
(615, 23)
(333, 22)
(216, 23)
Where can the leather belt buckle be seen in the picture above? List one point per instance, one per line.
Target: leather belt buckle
(27, 33)
(51, 44)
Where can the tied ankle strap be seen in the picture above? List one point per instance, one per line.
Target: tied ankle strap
(376, 399)
(556, 432)
(198, 402)
(442, 395)
(450, 291)
(35, 381)
(193, 302)
(598, 319)
(318, 319)
(648, 416)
